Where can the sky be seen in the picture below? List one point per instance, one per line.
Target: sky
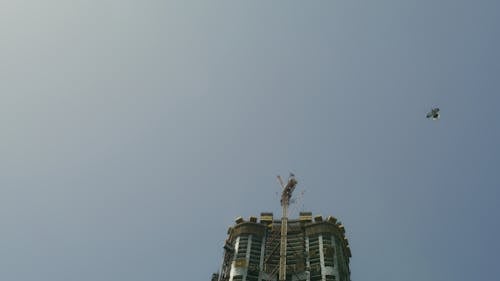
(133, 133)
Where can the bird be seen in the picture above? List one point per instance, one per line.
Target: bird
(434, 113)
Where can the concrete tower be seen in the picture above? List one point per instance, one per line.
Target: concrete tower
(316, 249)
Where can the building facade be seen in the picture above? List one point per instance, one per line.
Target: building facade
(317, 250)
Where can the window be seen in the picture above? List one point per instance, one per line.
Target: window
(242, 247)
(238, 278)
(314, 259)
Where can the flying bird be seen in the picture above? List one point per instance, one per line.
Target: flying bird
(434, 114)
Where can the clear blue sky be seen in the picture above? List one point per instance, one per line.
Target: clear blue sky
(134, 132)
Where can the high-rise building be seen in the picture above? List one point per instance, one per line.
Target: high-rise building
(316, 249)
(303, 249)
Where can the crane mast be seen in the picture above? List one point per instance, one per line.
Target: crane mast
(285, 202)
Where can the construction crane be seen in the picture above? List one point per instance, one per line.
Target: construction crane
(286, 195)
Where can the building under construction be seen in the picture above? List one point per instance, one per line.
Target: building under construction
(281, 249)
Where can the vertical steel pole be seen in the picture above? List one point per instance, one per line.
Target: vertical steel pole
(283, 242)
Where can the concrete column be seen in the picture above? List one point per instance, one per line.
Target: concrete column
(308, 262)
(262, 252)
(236, 249)
(321, 257)
(335, 258)
(247, 256)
